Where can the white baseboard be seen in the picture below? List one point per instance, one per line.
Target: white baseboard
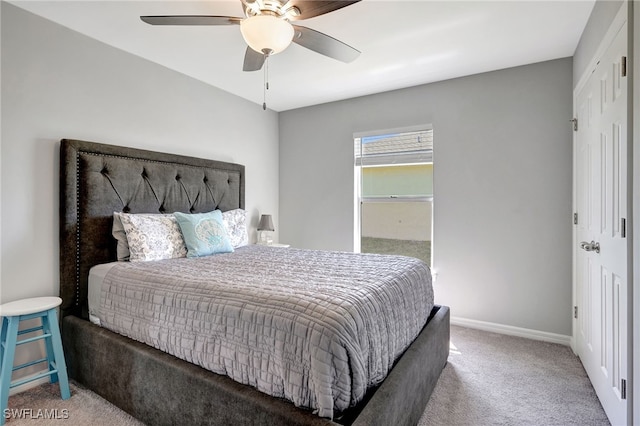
(29, 385)
(512, 331)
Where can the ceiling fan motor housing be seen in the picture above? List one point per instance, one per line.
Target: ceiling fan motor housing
(278, 8)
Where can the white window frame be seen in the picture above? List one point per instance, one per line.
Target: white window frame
(397, 160)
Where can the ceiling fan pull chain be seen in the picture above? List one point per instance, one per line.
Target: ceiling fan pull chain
(266, 82)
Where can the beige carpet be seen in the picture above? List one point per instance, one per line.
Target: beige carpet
(491, 379)
(42, 406)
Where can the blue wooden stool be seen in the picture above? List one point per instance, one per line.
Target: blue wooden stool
(21, 310)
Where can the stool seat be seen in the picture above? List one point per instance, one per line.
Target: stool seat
(11, 314)
(29, 306)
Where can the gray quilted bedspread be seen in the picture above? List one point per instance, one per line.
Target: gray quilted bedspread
(315, 327)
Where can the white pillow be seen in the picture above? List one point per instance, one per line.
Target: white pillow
(236, 223)
(152, 237)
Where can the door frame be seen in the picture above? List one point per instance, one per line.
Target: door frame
(634, 203)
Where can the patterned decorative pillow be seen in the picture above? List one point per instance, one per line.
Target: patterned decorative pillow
(236, 223)
(153, 237)
(204, 233)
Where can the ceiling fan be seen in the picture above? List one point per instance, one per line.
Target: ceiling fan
(268, 30)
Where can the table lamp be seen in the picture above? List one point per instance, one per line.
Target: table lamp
(265, 230)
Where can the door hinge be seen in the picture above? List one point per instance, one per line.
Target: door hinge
(623, 66)
(575, 218)
(575, 124)
(623, 227)
(623, 389)
(575, 312)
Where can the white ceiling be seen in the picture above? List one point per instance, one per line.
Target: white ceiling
(403, 43)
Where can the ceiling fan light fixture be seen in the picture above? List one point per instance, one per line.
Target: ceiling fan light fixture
(266, 32)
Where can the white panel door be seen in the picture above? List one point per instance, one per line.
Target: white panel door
(601, 202)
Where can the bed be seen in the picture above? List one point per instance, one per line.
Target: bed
(154, 386)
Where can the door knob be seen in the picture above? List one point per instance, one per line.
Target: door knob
(592, 246)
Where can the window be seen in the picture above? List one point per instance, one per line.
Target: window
(394, 192)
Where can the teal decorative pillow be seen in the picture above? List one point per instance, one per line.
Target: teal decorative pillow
(204, 233)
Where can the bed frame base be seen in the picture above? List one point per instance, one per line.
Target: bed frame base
(160, 389)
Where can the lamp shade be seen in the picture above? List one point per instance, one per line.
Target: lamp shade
(266, 32)
(266, 223)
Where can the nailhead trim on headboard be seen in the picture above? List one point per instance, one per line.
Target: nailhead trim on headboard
(77, 292)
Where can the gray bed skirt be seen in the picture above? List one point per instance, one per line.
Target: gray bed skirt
(160, 389)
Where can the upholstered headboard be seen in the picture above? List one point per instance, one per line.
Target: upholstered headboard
(98, 179)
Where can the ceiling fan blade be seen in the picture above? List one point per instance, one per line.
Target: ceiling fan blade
(191, 20)
(310, 8)
(253, 60)
(324, 44)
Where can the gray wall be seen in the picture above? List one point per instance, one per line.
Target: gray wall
(502, 186)
(59, 84)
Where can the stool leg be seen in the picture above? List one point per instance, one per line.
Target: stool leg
(58, 353)
(3, 333)
(51, 359)
(9, 337)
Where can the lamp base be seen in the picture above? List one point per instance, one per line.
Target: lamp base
(265, 237)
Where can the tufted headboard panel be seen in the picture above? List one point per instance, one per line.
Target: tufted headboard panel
(97, 180)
